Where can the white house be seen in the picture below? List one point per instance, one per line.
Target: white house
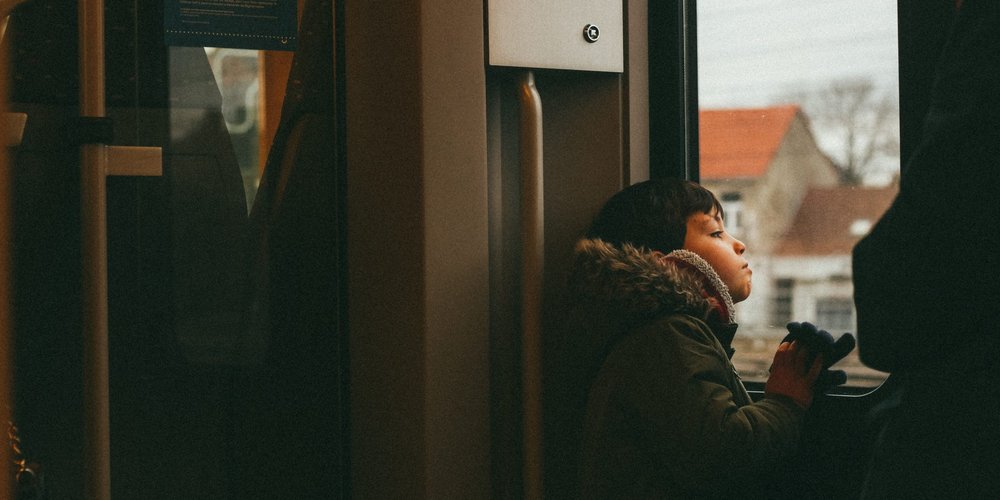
(811, 265)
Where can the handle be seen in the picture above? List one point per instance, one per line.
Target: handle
(532, 268)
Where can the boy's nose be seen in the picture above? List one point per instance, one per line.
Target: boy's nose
(739, 247)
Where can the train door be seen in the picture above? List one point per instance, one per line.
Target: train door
(187, 392)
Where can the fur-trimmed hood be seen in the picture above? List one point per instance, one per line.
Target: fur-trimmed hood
(641, 285)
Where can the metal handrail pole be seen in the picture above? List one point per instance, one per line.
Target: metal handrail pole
(94, 253)
(532, 270)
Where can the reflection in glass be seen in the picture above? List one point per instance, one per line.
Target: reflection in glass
(237, 75)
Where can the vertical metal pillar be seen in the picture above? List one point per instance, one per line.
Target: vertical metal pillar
(94, 252)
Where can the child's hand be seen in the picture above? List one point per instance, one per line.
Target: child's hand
(793, 373)
(820, 342)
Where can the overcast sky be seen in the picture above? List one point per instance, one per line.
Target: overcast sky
(752, 52)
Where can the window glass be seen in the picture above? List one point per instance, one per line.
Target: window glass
(781, 301)
(733, 208)
(237, 73)
(837, 313)
(799, 137)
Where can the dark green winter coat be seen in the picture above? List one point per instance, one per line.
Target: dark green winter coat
(667, 414)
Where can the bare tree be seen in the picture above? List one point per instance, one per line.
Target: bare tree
(854, 124)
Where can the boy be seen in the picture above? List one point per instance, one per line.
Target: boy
(667, 414)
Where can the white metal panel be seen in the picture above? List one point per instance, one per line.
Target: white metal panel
(552, 34)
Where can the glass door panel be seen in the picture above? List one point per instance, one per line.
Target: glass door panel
(201, 372)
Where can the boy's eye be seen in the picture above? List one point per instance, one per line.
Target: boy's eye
(717, 234)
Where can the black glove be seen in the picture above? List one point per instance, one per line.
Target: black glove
(821, 342)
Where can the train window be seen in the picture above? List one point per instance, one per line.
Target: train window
(237, 73)
(799, 136)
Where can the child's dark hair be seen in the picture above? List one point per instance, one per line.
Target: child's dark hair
(652, 214)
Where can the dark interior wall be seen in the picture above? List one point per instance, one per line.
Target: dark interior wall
(417, 227)
(45, 243)
(386, 281)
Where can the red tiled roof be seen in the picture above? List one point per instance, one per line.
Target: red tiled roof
(823, 223)
(741, 142)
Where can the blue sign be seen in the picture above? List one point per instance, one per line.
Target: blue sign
(240, 24)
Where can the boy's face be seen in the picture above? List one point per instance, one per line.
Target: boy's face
(707, 237)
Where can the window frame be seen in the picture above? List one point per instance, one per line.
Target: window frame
(673, 89)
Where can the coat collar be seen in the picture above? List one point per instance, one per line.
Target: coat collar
(714, 290)
(640, 285)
